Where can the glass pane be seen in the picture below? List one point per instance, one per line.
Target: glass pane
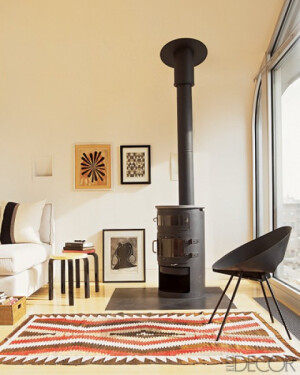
(291, 19)
(172, 220)
(171, 247)
(262, 159)
(286, 104)
(259, 162)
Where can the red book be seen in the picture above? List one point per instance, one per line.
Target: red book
(89, 250)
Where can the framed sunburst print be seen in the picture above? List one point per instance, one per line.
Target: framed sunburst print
(93, 166)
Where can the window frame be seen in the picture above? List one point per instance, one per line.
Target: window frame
(264, 87)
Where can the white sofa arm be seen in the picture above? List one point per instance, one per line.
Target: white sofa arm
(47, 228)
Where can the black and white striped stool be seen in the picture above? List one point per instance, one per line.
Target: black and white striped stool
(70, 258)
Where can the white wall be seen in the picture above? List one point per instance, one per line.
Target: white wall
(77, 71)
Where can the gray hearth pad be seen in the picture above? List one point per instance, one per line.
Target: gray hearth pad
(148, 299)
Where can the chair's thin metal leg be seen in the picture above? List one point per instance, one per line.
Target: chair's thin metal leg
(266, 299)
(229, 306)
(222, 295)
(283, 322)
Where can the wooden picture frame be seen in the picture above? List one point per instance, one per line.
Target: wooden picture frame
(135, 164)
(93, 167)
(123, 255)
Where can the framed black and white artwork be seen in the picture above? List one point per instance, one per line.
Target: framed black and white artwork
(135, 164)
(123, 255)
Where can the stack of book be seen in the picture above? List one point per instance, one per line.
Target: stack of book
(78, 245)
(3, 298)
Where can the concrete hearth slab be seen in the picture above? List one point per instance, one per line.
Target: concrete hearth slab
(148, 299)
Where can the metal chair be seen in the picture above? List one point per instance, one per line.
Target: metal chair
(255, 260)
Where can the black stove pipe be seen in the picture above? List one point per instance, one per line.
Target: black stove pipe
(183, 54)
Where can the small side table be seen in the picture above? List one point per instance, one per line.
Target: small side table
(69, 258)
(96, 265)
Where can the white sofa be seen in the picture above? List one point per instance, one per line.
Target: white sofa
(24, 267)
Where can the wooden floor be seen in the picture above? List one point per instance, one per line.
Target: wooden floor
(39, 303)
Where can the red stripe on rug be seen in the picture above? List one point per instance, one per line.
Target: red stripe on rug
(140, 343)
(48, 328)
(240, 326)
(137, 327)
(120, 321)
(126, 320)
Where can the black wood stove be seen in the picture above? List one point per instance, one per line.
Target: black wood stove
(180, 229)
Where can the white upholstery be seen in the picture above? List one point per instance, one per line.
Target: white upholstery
(15, 258)
(24, 267)
(27, 282)
(47, 225)
(25, 224)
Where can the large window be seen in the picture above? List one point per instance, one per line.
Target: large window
(277, 141)
(286, 99)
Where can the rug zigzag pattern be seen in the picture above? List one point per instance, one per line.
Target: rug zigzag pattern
(180, 338)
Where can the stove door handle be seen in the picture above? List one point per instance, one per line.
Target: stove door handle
(153, 250)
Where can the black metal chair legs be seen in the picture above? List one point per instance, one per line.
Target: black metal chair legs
(255, 260)
(277, 306)
(229, 306)
(264, 278)
(266, 299)
(220, 300)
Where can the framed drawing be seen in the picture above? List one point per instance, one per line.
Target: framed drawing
(135, 165)
(93, 166)
(123, 255)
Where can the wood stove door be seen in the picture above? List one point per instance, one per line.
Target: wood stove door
(170, 247)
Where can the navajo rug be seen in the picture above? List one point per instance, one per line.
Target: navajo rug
(116, 339)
